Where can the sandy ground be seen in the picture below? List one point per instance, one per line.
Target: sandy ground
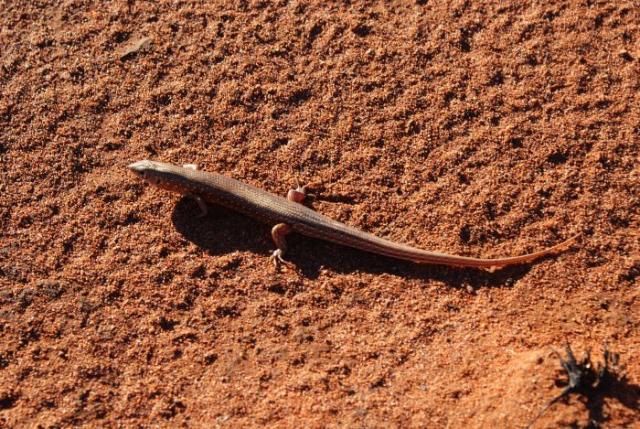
(464, 127)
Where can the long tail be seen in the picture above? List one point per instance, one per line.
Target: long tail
(492, 265)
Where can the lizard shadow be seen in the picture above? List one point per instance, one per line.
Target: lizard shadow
(224, 231)
(311, 255)
(221, 231)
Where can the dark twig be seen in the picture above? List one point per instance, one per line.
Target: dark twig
(586, 380)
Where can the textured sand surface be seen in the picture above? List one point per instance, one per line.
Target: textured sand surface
(464, 127)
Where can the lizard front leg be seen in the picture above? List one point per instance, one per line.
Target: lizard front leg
(203, 206)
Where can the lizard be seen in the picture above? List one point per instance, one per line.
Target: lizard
(291, 215)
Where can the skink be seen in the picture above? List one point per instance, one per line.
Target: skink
(288, 214)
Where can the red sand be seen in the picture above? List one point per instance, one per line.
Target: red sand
(463, 127)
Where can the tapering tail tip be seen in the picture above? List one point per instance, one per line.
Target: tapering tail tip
(531, 257)
(568, 243)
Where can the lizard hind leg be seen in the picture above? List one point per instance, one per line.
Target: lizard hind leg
(299, 194)
(278, 233)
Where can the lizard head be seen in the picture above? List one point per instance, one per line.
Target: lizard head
(160, 174)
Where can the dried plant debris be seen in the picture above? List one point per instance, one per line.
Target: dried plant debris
(594, 384)
(134, 47)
